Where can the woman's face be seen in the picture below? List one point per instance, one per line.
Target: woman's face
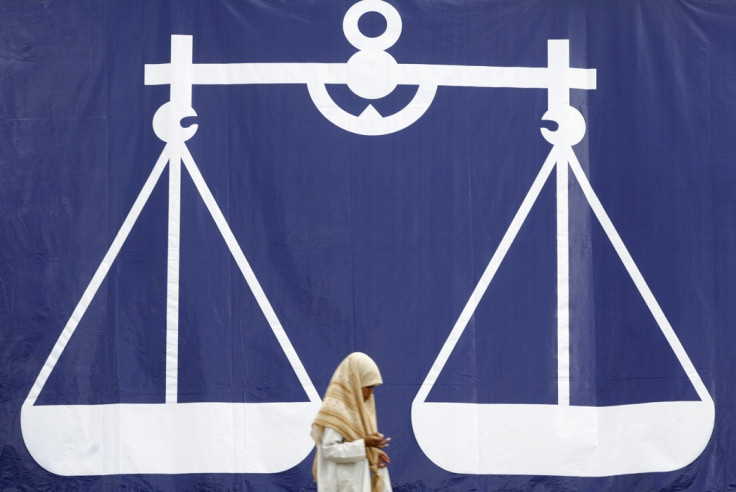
(367, 392)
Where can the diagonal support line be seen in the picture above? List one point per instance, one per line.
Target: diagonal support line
(638, 279)
(248, 274)
(488, 274)
(99, 276)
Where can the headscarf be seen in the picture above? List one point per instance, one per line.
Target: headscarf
(344, 410)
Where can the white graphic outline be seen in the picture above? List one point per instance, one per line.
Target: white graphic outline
(177, 437)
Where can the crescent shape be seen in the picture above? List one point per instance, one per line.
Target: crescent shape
(167, 123)
(370, 122)
(571, 126)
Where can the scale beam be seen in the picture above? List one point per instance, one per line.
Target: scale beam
(338, 73)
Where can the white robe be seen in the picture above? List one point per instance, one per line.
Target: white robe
(343, 467)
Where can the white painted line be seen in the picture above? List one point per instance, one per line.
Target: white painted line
(488, 275)
(638, 279)
(99, 276)
(249, 276)
(172, 279)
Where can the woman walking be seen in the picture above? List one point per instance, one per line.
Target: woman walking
(350, 454)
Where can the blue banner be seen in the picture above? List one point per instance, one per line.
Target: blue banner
(522, 211)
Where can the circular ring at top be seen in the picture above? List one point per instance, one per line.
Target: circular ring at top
(360, 40)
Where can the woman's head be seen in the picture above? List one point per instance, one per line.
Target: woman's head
(365, 369)
(349, 397)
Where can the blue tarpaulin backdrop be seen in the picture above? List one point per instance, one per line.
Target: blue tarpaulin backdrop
(367, 243)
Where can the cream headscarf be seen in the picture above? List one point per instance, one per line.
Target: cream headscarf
(344, 410)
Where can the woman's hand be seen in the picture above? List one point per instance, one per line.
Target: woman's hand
(376, 440)
(383, 459)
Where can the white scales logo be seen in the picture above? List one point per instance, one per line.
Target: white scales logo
(527, 439)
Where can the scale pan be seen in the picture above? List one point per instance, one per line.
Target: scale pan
(523, 439)
(169, 438)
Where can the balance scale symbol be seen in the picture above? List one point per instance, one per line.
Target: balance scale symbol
(527, 439)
